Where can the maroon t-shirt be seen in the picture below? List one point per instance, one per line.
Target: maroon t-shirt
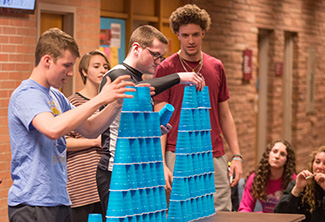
(215, 78)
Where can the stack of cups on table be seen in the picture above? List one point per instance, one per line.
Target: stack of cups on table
(193, 178)
(137, 190)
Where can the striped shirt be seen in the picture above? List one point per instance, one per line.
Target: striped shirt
(82, 167)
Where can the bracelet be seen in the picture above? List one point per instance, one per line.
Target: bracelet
(236, 158)
(237, 155)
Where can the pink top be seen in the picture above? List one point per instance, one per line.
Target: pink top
(273, 192)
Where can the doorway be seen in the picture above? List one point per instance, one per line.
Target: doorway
(62, 17)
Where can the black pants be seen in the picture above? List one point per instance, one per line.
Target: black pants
(26, 213)
(80, 214)
(103, 179)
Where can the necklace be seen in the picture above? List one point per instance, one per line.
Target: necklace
(183, 62)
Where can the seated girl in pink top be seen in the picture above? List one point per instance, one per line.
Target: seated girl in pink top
(274, 172)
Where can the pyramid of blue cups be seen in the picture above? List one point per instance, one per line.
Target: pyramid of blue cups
(193, 177)
(137, 190)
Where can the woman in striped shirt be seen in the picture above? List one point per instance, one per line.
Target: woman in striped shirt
(83, 154)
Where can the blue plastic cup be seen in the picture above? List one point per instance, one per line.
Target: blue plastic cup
(136, 201)
(189, 97)
(132, 219)
(190, 210)
(196, 119)
(139, 122)
(206, 97)
(193, 142)
(185, 211)
(158, 217)
(192, 187)
(211, 183)
(157, 200)
(160, 174)
(190, 165)
(210, 162)
(175, 211)
(205, 206)
(200, 207)
(186, 120)
(153, 171)
(181, 166)
(178, 189)
(200, 165)
(151, 200)
(158, 151)
(193, 203)
(204, 141)
(123, 152)
(199, 96)
(126, 127)
(146, 217)
(132, 176)
(150, 149)
(211, 207)
(201, 186)
(195, 159)
(205, 119)
(144, 99)
(144, 201)
(132, 103)
(155, 124)
(143, 149)
(208, 138)
(135, 150)
(117, 219)
(148, 119)
(139, 172)
(205, 160)
(183, 145)
(120, 178)
(162, 194)
(147, 175)
(198, 186)
(119, 204)
(187, 189)
(165, 114)
(95, 218)
(198, 138)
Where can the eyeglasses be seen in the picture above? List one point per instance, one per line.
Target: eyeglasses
(156, 55)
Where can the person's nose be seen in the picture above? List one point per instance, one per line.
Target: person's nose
(70, 72)
(103, 69)
(190, 39)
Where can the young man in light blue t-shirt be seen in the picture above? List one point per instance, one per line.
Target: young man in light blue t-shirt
(39, 116)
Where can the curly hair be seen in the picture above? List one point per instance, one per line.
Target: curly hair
(262, 172)
(312, 195)
(189, 14)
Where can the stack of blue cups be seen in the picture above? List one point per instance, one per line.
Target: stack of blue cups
(193, 180)
(137, 190)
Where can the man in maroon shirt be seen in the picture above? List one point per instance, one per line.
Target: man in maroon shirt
(190, 23)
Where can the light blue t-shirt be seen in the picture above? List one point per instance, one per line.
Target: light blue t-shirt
(38, 165)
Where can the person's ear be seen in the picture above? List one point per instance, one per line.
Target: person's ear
(203, 34)
(136, 47)
(84, 73)
(46, 60)
(178, 36)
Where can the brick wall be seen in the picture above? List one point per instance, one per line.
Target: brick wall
(235, 26)
(17, 45)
